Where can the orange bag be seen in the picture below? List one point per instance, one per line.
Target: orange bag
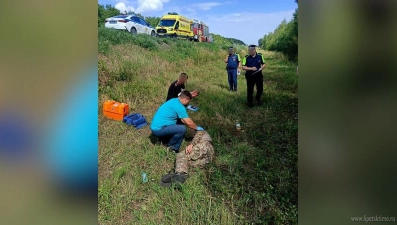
(115, 110)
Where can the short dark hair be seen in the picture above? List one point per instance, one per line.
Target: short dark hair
(184, 75)
(185, 94)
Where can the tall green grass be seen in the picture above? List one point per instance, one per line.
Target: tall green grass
(253, 179)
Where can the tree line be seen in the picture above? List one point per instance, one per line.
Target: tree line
(226, 41)
(284, 38)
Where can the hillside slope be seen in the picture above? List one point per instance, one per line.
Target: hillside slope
(254, 177)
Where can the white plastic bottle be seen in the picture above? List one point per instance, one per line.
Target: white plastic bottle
(144, 177)
(238, 126)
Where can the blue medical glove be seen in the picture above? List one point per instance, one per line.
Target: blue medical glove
(199, 128)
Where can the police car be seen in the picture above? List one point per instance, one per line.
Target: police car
(130, 23)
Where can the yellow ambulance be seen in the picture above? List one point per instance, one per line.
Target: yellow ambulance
(175, 25)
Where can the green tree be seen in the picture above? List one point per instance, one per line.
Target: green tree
(152, 20)
(260, 41)
(139, 15)
(226, 41)
(106, 12)
(284, 38)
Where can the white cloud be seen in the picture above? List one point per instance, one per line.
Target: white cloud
(192, 10)
(141, 5)
(205, 5)
(122, 7)
(248, 27)
(150, 5)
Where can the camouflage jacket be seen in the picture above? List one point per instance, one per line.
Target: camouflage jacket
(203, 153)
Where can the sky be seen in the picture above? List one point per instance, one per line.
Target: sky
(247, 20)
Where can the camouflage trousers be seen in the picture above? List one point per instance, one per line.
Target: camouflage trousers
(202, 154)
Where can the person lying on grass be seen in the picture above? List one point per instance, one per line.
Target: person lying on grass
(198, 154)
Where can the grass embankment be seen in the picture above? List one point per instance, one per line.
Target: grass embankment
(254, 178)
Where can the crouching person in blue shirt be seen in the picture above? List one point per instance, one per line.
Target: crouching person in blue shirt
(164, 121)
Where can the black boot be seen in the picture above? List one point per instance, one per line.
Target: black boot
(173, 178)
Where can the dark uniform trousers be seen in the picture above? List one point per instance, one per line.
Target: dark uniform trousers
(252, 80)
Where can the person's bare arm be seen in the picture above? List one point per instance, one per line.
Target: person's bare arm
(239, 66)
(194, 93)
(263, 66)
(189, 122)
(226, 59)
(189, 149)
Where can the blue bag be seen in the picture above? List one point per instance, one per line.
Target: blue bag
(136, 120)
(193, 108)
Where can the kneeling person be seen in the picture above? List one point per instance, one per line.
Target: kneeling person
(178, 86)
(164, 120)
(198, 154)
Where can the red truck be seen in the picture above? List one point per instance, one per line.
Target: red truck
(201, 31)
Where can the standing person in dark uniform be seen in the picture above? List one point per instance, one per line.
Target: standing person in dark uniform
(233, 65)
(253, 64)
(178, 86)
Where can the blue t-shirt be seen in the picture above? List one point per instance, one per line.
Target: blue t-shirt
(168, 113)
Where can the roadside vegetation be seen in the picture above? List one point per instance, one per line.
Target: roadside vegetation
(254, 178)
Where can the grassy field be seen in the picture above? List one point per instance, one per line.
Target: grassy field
(254, 179)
